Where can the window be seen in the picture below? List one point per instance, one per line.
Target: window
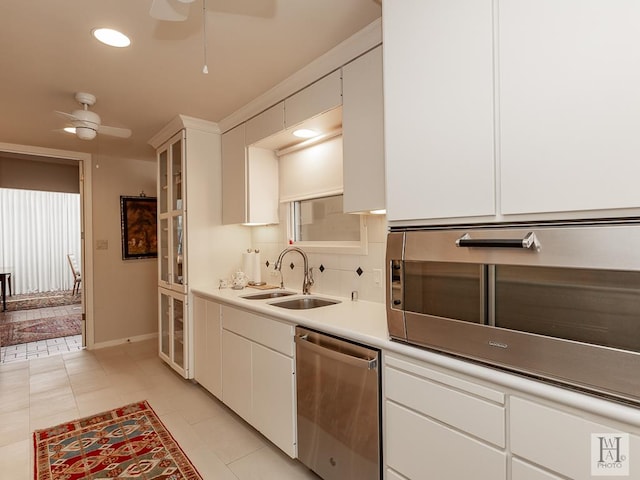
(319, 224)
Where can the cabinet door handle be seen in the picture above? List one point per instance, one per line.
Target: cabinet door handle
(529, 241)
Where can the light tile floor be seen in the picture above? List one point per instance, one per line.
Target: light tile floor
(42, 348)
(42, 392)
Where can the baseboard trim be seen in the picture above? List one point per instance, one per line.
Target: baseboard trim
(122, 341)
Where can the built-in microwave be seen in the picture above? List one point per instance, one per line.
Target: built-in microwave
(560, 302)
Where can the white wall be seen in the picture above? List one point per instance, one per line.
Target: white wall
(125, 291)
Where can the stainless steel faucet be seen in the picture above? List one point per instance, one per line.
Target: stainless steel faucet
(308, 272)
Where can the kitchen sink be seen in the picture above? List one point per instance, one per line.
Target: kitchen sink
(262, 296)
(304, 303)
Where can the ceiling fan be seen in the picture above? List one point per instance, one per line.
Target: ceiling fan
(170, 10)
(87, 123)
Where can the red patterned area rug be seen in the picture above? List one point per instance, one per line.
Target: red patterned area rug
(128, 442)
(14, 332)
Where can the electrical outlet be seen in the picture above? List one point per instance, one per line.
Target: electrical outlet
(377, 276)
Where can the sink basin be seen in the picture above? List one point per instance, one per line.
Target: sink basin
(304, 303)
(262, 296)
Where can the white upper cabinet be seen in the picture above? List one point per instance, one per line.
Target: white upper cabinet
(234, 175)
(265, 124)
(363, 133)
(250, 181)
(569, 105)
(561, 76)
(262, 186)
(317, 98)
(438, 106)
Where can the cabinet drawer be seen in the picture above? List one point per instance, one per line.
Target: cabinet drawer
(427, 391)
(266, 331)
(555, 439)
(524, 471)
(419, 448)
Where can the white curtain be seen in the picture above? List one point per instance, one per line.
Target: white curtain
(37, 231)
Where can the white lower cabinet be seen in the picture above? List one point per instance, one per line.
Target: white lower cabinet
(273, 407)
(207, 333)
(391, 475)
(236, 373)
(562, 442)
(441, 426)
(258, 380)
(524, 471)
(419, 447)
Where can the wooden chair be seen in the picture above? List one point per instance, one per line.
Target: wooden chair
(77, 278)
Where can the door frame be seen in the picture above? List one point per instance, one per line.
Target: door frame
(85, 165)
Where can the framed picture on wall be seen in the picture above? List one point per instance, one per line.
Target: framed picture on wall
(138, 217)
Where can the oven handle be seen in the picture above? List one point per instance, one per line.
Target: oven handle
(361, 362)
(529, 241)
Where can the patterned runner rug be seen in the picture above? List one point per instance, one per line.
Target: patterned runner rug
(15, 332)
(128, 442)
(28, 301)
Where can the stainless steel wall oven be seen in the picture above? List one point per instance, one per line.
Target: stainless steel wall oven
(558, 302)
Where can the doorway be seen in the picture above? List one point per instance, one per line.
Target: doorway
(27, 158)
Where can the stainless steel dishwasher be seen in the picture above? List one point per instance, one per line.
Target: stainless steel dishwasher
(338, 389)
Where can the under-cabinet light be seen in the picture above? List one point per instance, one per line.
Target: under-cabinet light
(305, 133)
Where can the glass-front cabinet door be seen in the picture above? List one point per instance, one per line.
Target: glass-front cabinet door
(177, 233)
(176, 172)
(178, 332)
(173, 330)
(171, 218)
(163, 253)
(163, 182)
(165, 325)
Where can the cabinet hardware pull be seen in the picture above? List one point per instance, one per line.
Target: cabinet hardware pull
(529, 241)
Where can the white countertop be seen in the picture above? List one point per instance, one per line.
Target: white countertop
(366, 322)
(361, 321)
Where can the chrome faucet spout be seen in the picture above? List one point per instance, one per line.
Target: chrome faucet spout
(308, 273)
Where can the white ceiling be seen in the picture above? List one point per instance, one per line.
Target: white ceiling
(47, 54)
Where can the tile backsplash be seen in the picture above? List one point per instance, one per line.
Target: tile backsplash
(334, 274)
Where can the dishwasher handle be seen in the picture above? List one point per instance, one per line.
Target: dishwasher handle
(327, 351)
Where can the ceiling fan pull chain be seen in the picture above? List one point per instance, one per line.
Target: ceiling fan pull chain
(205, 69)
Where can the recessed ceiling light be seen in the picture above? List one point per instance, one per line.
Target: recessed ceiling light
(305, 133)
(111, 37)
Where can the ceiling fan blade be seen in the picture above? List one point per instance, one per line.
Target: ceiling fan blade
(62, 130)
(169, 10)
(66, 115)
(114, 131)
